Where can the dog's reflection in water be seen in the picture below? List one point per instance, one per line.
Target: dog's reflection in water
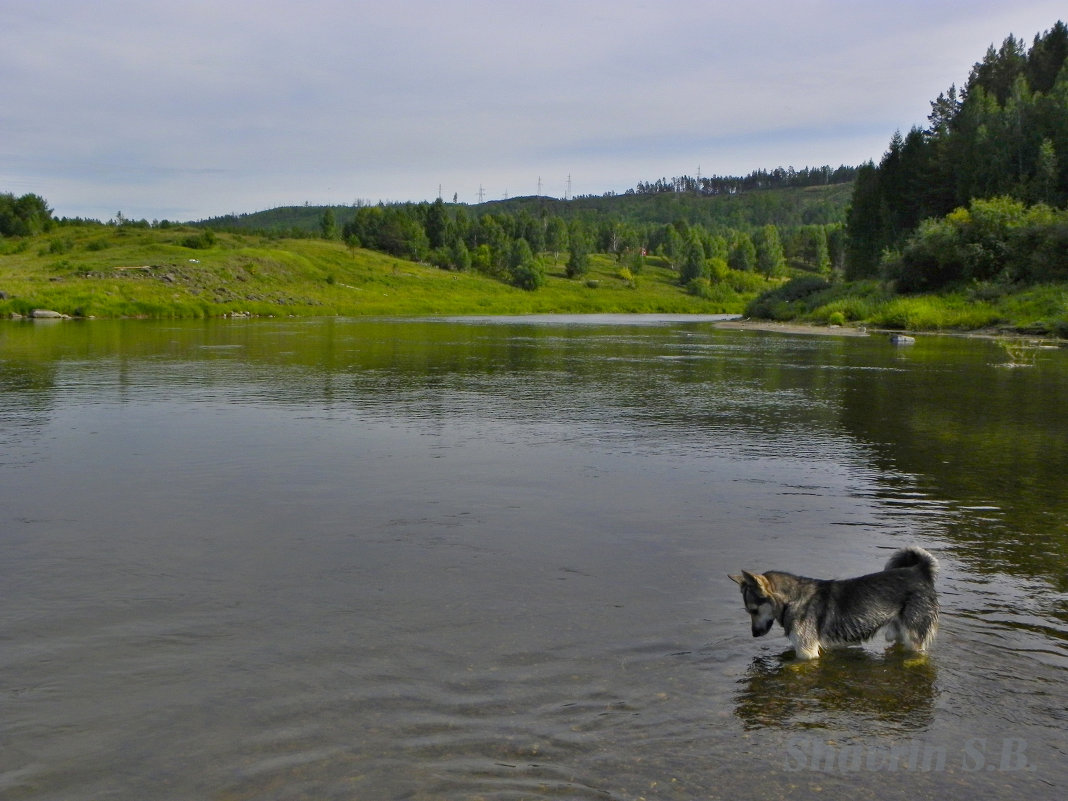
(847, 685)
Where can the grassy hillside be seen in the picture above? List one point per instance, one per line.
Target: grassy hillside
(130, 271)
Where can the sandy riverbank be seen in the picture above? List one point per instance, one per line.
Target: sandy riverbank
(793, 328)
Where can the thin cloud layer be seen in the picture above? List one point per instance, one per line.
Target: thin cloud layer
(183, 111)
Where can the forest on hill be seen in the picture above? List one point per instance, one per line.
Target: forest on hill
(783, 197)
(978, 194)
(766, 222)
(962, 223)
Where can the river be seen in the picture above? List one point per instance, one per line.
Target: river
(487, 559)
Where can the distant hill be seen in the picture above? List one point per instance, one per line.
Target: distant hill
(741, 210)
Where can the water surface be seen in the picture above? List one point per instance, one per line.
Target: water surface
(487, 559)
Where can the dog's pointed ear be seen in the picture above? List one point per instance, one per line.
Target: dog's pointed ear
(745, 577)
(760, 581)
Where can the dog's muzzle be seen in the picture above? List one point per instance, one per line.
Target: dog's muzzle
(762, 628)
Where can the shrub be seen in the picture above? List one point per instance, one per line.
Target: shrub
(202, 241)
(61, 245)
(788, 301)
(997, 239)
(700, 287)
(528, 276)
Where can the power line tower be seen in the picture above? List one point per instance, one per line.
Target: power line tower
(539, 186)
(567, 193)
(481, 194)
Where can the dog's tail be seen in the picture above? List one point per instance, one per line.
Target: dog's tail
(914, 556)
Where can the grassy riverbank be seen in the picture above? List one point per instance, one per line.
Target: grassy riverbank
(117, 271)
(1040, 310)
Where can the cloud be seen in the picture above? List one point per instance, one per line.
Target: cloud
(196, 109)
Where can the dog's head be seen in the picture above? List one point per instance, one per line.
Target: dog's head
(760, 601)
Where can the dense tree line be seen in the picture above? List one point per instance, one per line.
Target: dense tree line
(787, 208)
(779, 178)
(1004, 135)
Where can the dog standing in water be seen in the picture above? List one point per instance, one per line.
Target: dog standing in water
(817, 613)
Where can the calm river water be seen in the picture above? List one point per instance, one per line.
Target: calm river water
(486, 559)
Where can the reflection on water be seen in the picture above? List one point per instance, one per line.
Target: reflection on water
(452, 559)
(895, 690)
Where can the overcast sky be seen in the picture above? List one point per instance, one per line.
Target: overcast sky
(185, 110)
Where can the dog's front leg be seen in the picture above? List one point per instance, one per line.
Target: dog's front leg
(806, 644)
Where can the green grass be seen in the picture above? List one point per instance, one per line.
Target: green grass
(1034, 310)
(107, 271)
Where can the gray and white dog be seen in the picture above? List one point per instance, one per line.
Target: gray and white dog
(816, 613)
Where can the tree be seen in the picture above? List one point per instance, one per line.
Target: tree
(864, 222)
(578, 260)
(1045, 180)
(770, 258)
(555, 235)
(491, 233)
(436, 223)
(519, 254)
(482, 259)
(24, 216)
(1047, 56)
(530, 229)
(836, 246)
(693, 260)
(717, 248)
(637, 261)
(525, 272)
(823, 251)
(743, 255)
(1004, 134)
(401, 234)
(460, 256)
(673, 245)
(328, 224)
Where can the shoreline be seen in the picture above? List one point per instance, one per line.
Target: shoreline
(815, 329)
(732, 323)
(792, 328)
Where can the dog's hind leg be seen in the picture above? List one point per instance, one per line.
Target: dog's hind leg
(893, 632)
(917, 625)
